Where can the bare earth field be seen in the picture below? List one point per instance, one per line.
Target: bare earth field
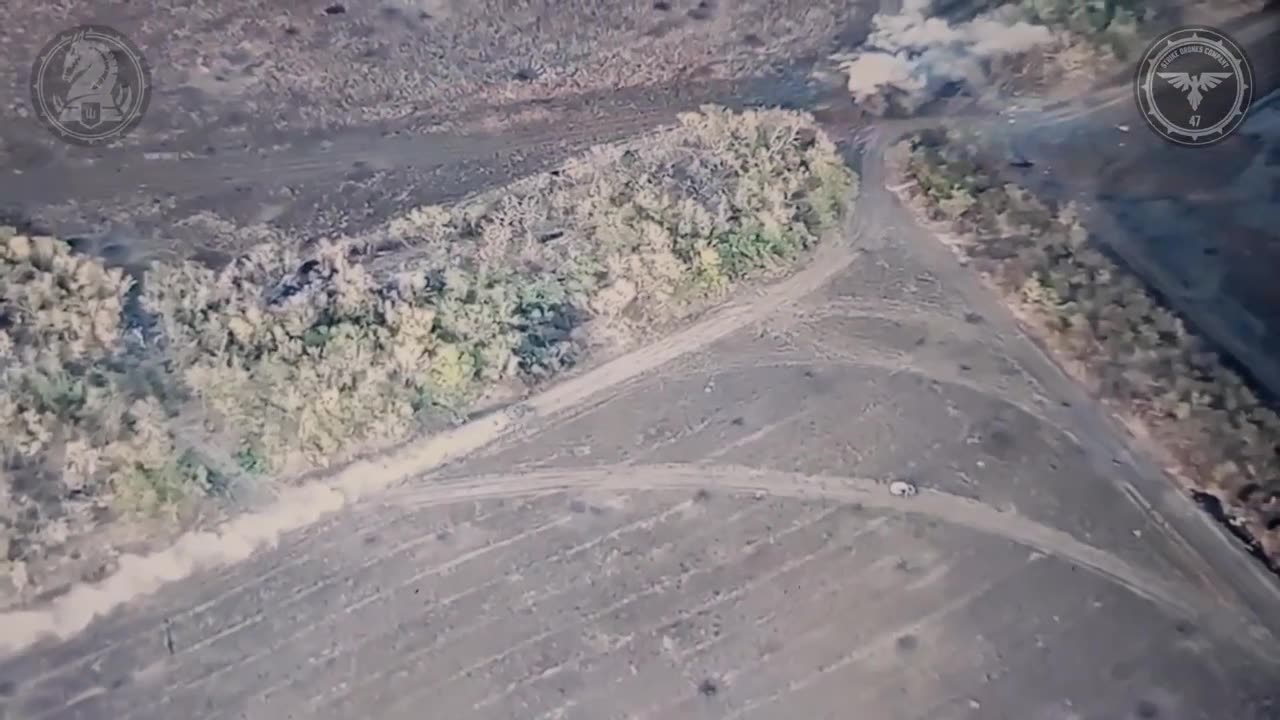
(248, 71)
(702, 528)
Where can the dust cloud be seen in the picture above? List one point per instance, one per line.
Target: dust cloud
(911, 57)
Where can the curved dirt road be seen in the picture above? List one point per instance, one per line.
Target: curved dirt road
(704, 529)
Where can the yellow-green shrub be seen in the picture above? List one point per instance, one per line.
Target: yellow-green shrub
(316, 357)
(116, 397)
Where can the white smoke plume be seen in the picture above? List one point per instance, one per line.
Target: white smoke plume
(909, 57)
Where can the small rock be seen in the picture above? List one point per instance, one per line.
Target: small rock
(902, 488)
(1122, 128)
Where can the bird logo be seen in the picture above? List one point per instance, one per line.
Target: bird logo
(1194, 60)
(1193, 84)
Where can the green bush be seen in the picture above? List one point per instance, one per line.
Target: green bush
(78, 432)
(1111, 23)
(120, 398)
(322, 356)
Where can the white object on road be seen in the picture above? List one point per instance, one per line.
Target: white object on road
(1122, 128)
(902, 488)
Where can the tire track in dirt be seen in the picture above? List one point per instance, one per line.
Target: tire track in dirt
(278, 609)
(1031, 637)
(894, 311)
(322, 158)
(712, 598)
(395, 554)
(373, 595)
(865, 577)
(233, 586)
(381, 594)
(822, 557)
(562, 555)
(1174, 597)
(878, 643)
(892, 365)
(495, 647)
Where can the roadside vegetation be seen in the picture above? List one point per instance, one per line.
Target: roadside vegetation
(145, 397)
(1110, 331)
(1112, 24)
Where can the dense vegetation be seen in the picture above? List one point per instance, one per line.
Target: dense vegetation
(145, 394)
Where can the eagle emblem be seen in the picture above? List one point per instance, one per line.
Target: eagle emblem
(1192, 85)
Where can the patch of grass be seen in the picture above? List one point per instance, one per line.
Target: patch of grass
(293, 360)
(1111, 25)
(1087, 17)
(1110, 329)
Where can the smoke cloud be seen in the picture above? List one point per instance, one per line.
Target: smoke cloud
(910, 57)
